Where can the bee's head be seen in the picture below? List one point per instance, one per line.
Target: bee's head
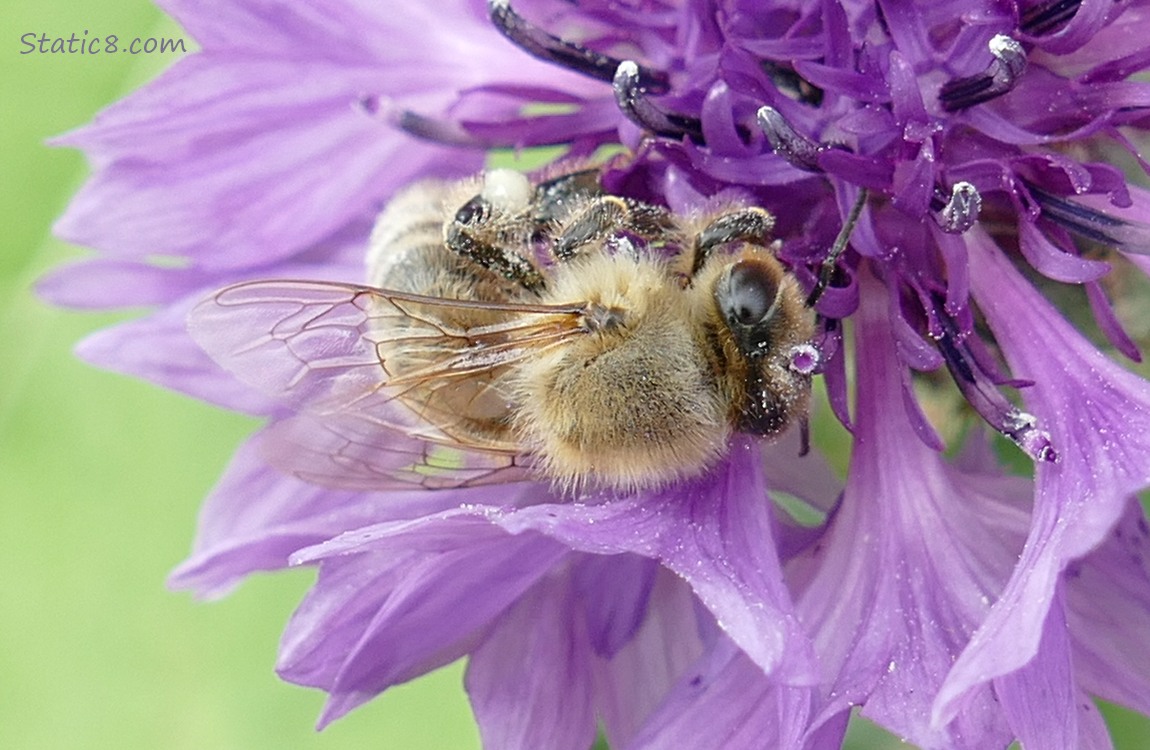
(748, 297)
(765, 333)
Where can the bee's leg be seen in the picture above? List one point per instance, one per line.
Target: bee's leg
(554, 197)
(751, 224)
(601, 217)
(607, 215)
(474, 233)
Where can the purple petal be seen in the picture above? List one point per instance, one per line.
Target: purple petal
(715, 532)
(1098, 417)
(725, 701)
(1008, 130)
(1093, 734)
(862, 87)
(1053, 262)
(1109, 323)
(1108, 606)
(257, 517)
(158, 348)
(908, 565)
(530, 681)
(953, 251)
(237, 194)
(612, 592)
(1044, 704)
(1039, 699)
(108, 283)
(1089, 18)
(835, 377)
(641, 673)
(430, 588)
(252, 26)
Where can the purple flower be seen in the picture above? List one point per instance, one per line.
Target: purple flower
(472, 579)
(975, 145)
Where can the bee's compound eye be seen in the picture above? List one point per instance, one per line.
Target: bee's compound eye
(750, 293)
(472, 212)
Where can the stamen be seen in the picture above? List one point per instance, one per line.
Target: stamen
(961, 211)
(632, 99)
(1047, 17)
(837, 249)
(980, 392)
(437, 131)
(414, 124)
(1022, 429)
(538, 43)
(1127, 236)
(998, 78)
(798, 150)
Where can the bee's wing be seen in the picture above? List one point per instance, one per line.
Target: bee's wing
(341, 355)
(348, 451)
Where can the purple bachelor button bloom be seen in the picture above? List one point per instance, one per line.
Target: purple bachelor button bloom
(974, 152)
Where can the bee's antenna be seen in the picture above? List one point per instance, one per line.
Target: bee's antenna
(840, 244)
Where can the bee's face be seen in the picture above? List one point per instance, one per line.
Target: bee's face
(762, 326)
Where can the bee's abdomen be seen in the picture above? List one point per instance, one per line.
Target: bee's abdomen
(406, 251)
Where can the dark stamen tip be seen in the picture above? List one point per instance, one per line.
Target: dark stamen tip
(980, 391)
(538, 43)
(429, 129)
(999, 77)
(798, 150)
(1047, 17)
(634, 103)
(1125, 235)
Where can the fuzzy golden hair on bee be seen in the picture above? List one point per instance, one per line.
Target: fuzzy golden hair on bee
(635, 400)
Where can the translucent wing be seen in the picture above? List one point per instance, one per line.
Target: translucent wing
(392, 389)
(348, 451)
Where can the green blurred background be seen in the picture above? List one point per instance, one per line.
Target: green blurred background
(101, 477)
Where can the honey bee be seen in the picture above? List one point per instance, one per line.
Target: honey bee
(513, 327)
